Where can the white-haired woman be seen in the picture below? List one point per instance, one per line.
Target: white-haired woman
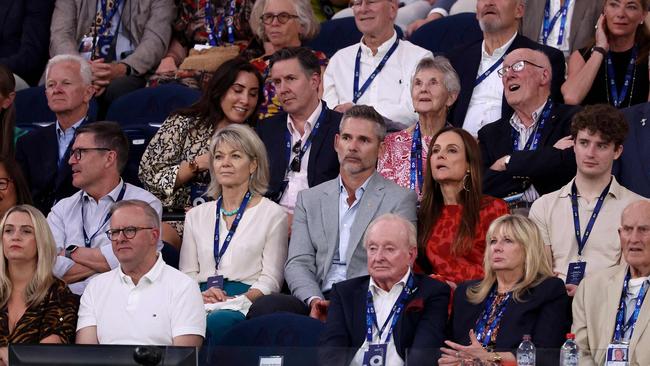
(35, 307)
(235, 247)
(518, 295)
(434, 89)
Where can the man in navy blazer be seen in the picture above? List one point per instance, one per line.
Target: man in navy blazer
(300, 140)
(413, 307)
(43, 154)
(480, 101)
(529, 152)
(633, 168)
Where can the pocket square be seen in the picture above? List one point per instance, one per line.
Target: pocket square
(415, 305)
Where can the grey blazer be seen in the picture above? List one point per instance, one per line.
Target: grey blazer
(315, 231)
(585, 16)
(148, 24)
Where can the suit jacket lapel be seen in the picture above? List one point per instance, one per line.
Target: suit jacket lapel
(614, 288)
(316, 144)
(330, 218)
(579, 8)
(359, 312)
(549, 126)
(368, 205)
(642, 138)
(536, 7)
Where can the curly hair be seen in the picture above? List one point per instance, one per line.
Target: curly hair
(604, 119)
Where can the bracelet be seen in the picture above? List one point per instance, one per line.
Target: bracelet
(194, 167)
(599, 50)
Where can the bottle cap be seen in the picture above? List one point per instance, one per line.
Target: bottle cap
(570, 336)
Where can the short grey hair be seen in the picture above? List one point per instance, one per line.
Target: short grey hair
(243, 138)
(441, 64)
(368, 113)
(411, 232)
(304, 11)
(149, 212)
(84, 66)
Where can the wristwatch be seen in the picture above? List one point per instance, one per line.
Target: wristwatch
(129, 70)
(69, 250)
(599, 50)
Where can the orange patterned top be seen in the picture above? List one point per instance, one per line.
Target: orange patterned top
(438, 250)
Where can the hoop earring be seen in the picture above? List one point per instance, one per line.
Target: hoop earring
(466, 178)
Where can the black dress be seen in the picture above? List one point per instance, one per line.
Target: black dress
(638, 90)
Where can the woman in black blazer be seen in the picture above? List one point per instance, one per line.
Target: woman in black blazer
(519, 295)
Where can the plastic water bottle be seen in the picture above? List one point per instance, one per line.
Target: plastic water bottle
(569, 352)
(526, 352)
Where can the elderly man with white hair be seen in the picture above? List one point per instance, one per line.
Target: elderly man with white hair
(402, 310)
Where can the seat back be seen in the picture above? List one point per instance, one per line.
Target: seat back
(32, 111)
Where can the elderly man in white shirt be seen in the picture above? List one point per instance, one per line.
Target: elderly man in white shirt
(377, 71)
(144, 300)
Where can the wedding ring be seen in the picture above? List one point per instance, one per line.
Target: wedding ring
(457, 354)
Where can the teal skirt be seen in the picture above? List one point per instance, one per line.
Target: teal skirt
(220, 321)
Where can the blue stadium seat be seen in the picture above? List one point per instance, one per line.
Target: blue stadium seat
(339, 33)
(445, 34)
(32, 111)
(140, 113)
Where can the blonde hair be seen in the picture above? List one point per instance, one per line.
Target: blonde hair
(536, 266)
(43, 278)
(243, 138)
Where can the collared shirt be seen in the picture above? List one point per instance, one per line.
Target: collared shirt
(164, 304)
(383, 302)
(64, 138)
(298, 180)
(630, 301)
(554, 34)
(531, 194)
(347, 215)
(485, 104)
(554, 216)
(389, 93)
(67, 227)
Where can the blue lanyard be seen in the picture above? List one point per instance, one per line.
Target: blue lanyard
(219, 252)
(484, 75)
(582, 239)
(617, 97)
(226, 19)
(88, 240)
(621, 326)
(482, 322)
(533, 140)
(550, 24)
(357, 93)
(307, 143)
(416, 158)
(371, 315)
(107, 16)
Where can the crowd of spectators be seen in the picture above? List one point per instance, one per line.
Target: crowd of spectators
(440, 205)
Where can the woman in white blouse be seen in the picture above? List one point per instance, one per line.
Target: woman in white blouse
(244, 258)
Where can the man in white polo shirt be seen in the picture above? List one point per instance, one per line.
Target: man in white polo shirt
(143, 301)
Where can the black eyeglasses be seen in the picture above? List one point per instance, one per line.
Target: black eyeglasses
(283, 18)
(78, 152)
(4, 183)
(516, 67)
(295, 163)
(129, 232)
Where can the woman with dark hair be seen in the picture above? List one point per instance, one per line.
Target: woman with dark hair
(615, 69)
(454, 215)
(13, 187)
(7, 113)
(175, 165)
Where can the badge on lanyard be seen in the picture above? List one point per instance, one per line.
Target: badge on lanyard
(215, 281)
(617, 354)
(375, 355)
(197, 194)
(576, 272)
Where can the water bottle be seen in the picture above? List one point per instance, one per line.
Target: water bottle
(526, 352)
(569, 352)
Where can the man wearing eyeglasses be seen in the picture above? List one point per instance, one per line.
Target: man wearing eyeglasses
(144, 300)
(378, 70)
(299, 140)
(530, 152)
(98, 155)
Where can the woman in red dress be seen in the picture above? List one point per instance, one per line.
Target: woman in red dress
(454, 216)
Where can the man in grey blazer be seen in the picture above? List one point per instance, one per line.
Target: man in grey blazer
(330, 219)
(581, 17)
(129, 42)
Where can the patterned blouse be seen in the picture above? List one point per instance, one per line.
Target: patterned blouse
(395, 163)
(180, 138)
(55, 315)
(270, 103)
(469, 266)
(500, 300)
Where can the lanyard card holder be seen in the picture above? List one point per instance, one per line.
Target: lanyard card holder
(375, 355)
(617, 354)
(576, 272)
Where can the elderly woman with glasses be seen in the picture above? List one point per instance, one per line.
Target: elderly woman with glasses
(518, 295)
(434, 89)
(280, 24)
(235, 247)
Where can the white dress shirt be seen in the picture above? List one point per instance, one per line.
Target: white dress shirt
(164, 304)
(298, 180)
(485, 104)
(383, 302)
(633, 289)
(256, 253)
(389, 93)
(65, 138)
(554, 34)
